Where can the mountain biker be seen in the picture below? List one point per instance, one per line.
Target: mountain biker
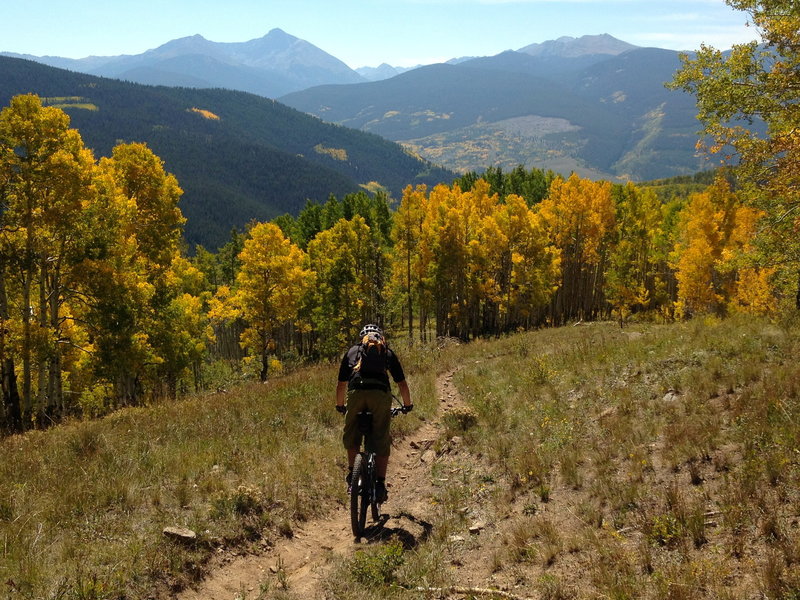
(365, 380)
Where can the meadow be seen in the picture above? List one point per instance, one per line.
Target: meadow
(651, 461)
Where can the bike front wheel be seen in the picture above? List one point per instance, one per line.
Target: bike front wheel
(359, 496)
(376, 508)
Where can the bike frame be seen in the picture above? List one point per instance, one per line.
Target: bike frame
(362, 491)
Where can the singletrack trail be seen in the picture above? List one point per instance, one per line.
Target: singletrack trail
(300, 563)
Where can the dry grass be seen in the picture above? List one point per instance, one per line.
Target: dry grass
(83, 506)
(659, 461)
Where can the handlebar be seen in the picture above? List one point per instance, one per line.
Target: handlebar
(400, 408)
(395, 410)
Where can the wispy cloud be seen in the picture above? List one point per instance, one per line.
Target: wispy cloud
(722, 38)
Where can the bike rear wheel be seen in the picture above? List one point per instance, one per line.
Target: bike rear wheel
(359, 496)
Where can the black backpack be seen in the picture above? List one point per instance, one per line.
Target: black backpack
(372, 356)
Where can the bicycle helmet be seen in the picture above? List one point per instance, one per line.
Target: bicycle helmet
(370, 329)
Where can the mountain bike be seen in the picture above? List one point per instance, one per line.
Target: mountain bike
(363, 495)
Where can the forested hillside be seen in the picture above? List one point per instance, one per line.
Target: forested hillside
(605, 116)
(237, 156)
(120, 316)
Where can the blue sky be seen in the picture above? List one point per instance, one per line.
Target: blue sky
(364, 32)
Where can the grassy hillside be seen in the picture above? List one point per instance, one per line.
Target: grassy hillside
(656, 461)
(237, 156)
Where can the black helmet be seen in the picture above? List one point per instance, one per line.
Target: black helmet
(370, 329)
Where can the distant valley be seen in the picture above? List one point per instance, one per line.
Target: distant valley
(594, 105)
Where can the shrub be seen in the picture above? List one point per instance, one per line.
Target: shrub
(377, 566)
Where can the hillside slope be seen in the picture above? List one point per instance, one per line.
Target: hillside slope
(576, 462)
(238, 156)
(610, 114)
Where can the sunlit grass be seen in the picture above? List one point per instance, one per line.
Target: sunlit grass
(656, 461)
(85, 504)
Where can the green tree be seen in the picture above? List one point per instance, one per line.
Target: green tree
(758, 83)
(532, 185)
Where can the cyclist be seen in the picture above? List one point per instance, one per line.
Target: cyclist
(364, 381)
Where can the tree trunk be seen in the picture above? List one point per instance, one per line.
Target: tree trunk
(797, 297)
(127, 388)
(264, 365)
(410, 298)
(26, 346)
(44, 407)
(265, 337)
(55, 386)
(8, 374)
(27, 276)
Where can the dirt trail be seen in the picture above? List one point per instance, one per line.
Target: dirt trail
(303, 560)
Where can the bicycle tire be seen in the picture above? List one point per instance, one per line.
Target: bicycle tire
(376, 510)
(359, 496)
(371, 496)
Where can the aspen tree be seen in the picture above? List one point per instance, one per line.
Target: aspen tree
(633, 279)
(273, 278)
(343, 259)
(45, 173)
(579, 216)
(406, 235)
(529, 266)
(715, 236)
(757, 83)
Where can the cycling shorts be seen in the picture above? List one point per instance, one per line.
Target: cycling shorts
(379, 402)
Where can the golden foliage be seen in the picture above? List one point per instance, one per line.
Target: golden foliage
(716, 232)
(335, 153)
(206, 114)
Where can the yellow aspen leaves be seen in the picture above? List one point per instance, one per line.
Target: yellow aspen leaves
(270, 286)
(715, 234)
(579, 216)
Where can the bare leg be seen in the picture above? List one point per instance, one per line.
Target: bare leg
(351, 457)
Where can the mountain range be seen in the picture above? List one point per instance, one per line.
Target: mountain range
(595, 105)
(271, 66)
(238, 156)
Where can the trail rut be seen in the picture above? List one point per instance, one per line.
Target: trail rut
(300, 563)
